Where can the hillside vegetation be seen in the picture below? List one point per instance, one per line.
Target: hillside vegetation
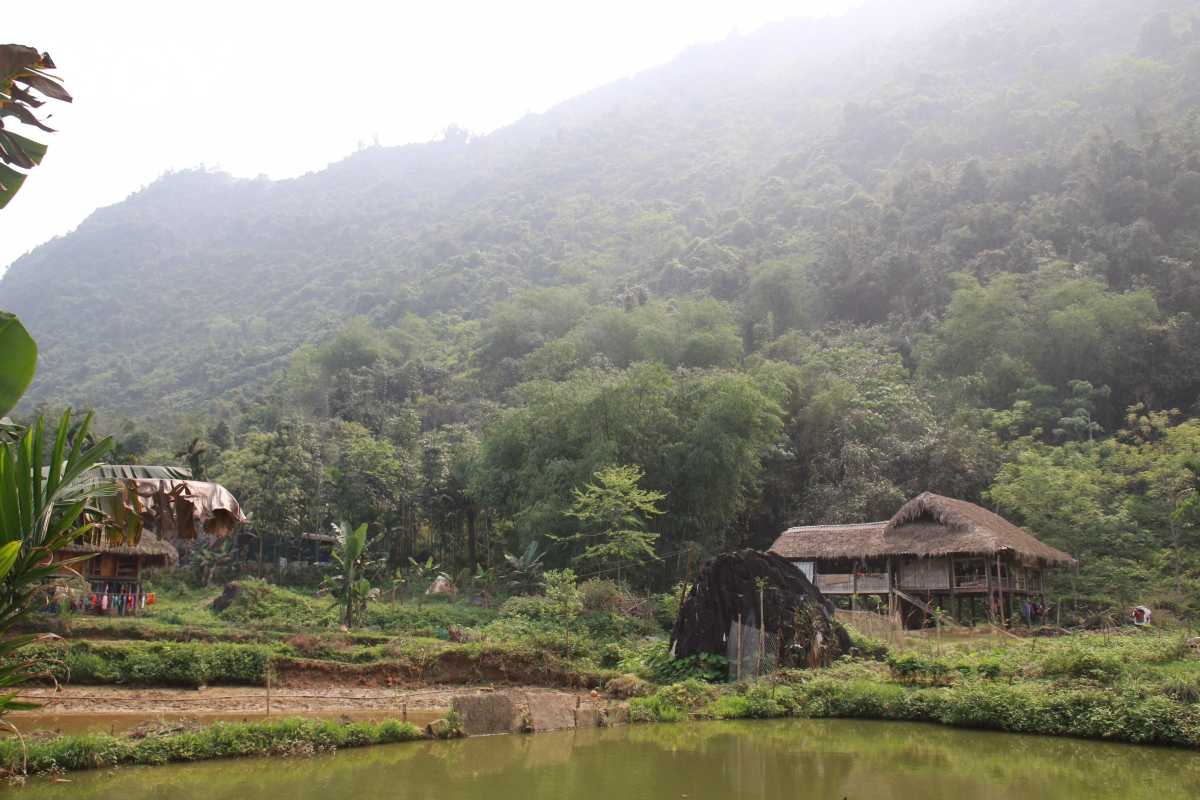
(796, 276)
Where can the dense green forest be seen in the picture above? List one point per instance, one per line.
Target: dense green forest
(797, 276)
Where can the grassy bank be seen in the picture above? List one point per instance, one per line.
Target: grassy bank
(291, 736)
(1141, 689)
(184, 642)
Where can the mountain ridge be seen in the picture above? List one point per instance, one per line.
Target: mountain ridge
(577, 196)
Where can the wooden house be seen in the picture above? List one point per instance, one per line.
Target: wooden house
(935, 553)
(156, 512)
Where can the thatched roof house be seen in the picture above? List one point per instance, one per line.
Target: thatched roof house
(153, 513)
(934, 549)
(928, 526)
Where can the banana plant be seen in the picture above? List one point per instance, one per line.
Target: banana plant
(489, 582)
(350, 587)
(43, 498)
(421, 573)
(208, 559)
(527, 567)
(23, 72)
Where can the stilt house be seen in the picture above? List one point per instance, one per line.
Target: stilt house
(935, 553)
(156, 512)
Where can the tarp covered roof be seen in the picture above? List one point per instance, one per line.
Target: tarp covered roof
(165, 497)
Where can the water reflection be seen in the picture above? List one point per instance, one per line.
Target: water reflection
(792, 759)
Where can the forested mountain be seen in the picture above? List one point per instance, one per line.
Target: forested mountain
(799, 275)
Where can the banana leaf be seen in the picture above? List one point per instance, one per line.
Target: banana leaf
(18, 356)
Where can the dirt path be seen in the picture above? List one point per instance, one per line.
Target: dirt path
(96, 709)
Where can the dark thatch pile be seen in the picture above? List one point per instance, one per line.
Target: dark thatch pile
(726, 587)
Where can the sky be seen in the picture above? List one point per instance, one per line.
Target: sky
(284, 88)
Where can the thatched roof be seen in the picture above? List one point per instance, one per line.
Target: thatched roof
(926, 526)
(148, 546)
(830, 541)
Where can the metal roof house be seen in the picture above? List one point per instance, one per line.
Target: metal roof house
(935, 552)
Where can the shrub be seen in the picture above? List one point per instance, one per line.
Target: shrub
(533, 608)
(627, 686)
(263, 603)
(671, 703)
(908, 667)
(224, 739)
(161, 663)
(989, 668)
(601, 595)
(1083, 662)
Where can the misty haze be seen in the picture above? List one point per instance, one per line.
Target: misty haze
(832, 362)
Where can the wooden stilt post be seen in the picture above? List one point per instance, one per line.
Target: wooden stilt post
(989, 612)
(268, 690)
(1000, 588)
(953, 594)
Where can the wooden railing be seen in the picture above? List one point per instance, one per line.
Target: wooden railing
(867, 583)
(877, 583)
(1016, 583)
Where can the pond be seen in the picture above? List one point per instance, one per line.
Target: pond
(784, 759)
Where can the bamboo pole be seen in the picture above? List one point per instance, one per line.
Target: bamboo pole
(687, 574)
(739, 648)
(762, 627)
(268, 691)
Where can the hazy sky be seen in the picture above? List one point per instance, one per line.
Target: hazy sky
(283, 88)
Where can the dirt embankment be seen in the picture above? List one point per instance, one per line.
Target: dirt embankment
(413, 687)
(484, 666)
(106, 709)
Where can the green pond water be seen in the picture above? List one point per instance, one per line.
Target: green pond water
(793, 759)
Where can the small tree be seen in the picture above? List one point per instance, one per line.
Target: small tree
(614, 510)
(564, 597)
(1080, 421)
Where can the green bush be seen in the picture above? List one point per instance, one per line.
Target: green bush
(264, 603)
(1084, 662)
(532, 608)
(600, 594)
(426, 622)
(672, 703)
(989, 668)
(908, 667)
(159, 663)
